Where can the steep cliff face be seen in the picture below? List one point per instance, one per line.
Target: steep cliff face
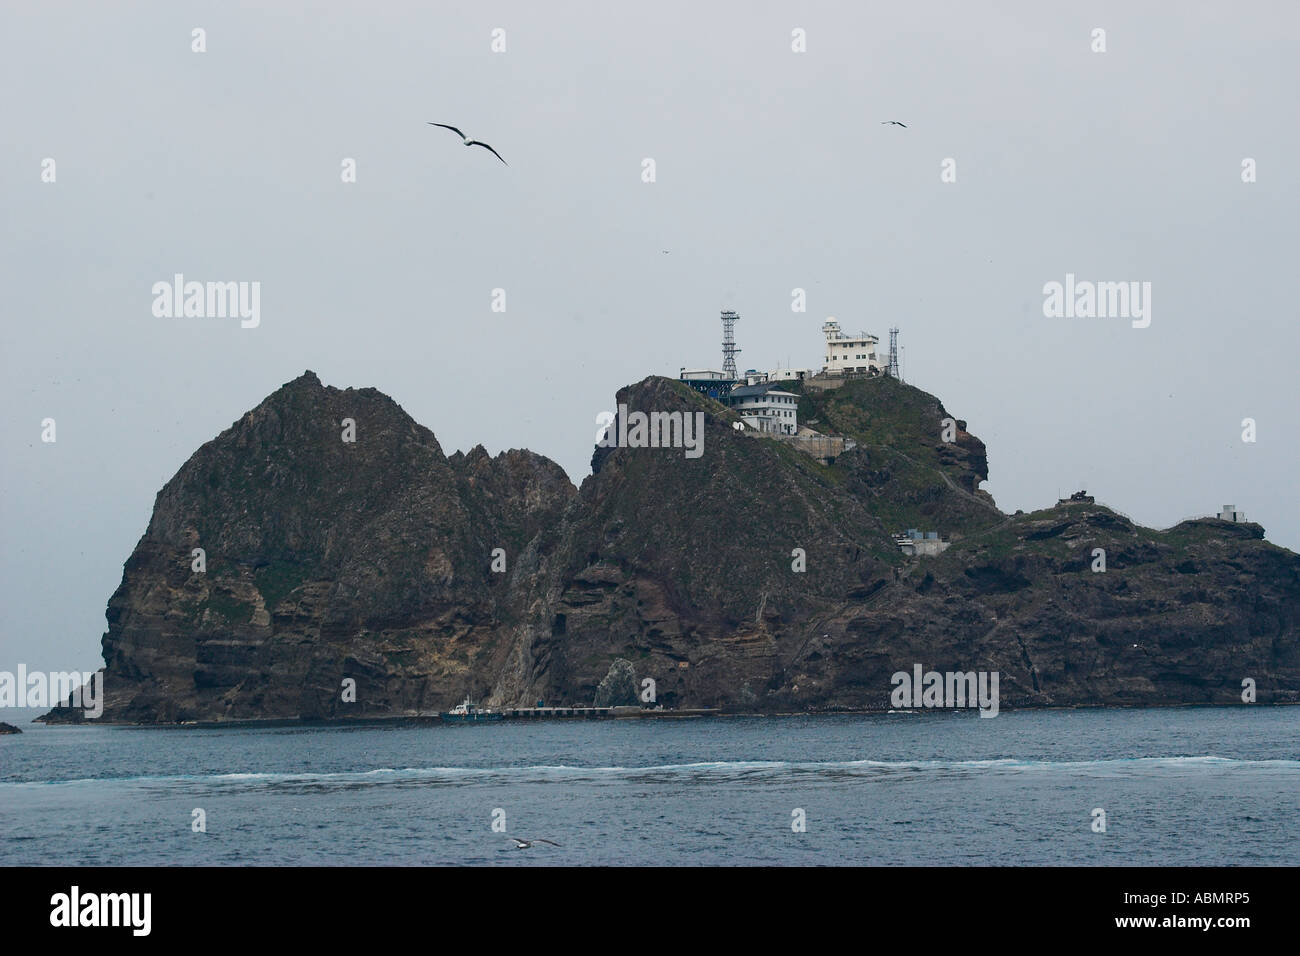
(1183, 616)
(916, 465)
(326, 560)
(750, 577)
(704, 572)
(684, 568)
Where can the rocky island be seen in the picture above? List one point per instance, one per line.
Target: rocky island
(283, 563)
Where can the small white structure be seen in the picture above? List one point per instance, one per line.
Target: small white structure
(1230, 513)
(917, 543)
(790, 374)
(702, 375)
(766, 408)
(849, 353)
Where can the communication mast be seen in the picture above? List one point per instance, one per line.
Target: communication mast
(729, 349)
(893, 354)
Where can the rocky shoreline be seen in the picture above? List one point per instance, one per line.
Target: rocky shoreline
(427, 719)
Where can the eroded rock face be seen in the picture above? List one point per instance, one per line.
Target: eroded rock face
(326, 560)
(685, 568)
(619, 688)
(1181, 617)
(751, 577)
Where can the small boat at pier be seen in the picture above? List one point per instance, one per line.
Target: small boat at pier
(465, 711)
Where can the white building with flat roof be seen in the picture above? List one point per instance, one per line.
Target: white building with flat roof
(766, 408)
(789, 374)
(1230, 513)
(850, 353)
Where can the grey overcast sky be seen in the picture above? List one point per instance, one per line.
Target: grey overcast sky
(773, 172)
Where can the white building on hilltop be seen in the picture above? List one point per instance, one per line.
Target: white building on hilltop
(766, 408)
(789, 374)
(850, 353)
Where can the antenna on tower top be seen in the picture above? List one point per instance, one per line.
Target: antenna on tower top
(893, 354)
(729, 349)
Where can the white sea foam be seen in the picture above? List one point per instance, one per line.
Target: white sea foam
(719, 769)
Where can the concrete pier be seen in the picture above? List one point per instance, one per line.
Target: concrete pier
(597, 713)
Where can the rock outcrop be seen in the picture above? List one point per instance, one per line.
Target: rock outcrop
(380, 577)
(326, 561)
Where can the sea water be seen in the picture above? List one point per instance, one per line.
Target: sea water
(1183, 786)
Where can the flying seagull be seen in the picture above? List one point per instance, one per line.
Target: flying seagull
(470, 142)
(525, 844)
(893, 123)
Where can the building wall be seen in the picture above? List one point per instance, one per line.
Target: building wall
(789, 374)
(775, 411)
(849, 352)
(708, 382)
(921, 547)
(929, 547)
(857, 355)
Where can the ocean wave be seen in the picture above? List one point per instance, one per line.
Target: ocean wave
(702, 771)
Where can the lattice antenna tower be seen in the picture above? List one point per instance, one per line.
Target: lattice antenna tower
(729, 350)
(893, 354)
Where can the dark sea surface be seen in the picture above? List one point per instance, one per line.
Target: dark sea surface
(1182, 786)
